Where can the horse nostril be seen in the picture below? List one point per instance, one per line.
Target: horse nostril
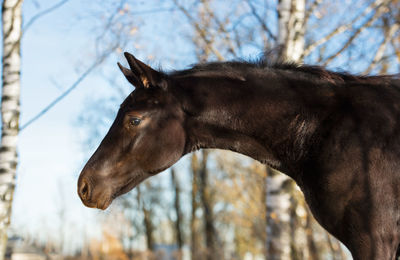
(84, 190)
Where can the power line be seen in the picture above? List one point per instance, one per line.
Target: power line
(63, 95)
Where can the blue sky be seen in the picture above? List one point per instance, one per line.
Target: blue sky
(55, 51)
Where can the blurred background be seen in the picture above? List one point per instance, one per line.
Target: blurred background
(210, 205)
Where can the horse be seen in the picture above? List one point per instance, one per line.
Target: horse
(337, 135)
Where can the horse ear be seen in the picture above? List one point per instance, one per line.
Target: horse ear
(130, 76)
(143, 73)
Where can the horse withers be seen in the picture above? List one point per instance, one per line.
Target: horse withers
(337, 135)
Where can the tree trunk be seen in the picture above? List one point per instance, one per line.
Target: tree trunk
(178, 212)
(10, 110)
(264, 195)
(291, 28)
(206, 200)
(147, 220)
(194, 243)
(278, 216)
(298, 218)
(149, 229)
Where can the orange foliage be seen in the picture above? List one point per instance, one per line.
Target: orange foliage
(109, 247)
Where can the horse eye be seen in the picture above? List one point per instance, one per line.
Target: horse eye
(135, 121)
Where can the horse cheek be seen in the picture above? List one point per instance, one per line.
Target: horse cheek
(173, 145)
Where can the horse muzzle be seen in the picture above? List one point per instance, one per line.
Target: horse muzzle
(91, 195)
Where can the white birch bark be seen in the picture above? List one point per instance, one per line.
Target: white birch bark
(10, 109)
(278, 217)
(291, 15)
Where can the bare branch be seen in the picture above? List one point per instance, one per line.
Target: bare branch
(200, 31)
(221, 29)
(396, 49)
(321, 41)
(260, 20)
(42, 13)
(310, 11)
(382, 47)
(340, 29)
(379, 11)
(108, 25)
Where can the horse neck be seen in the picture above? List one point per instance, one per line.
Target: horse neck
(261, 116)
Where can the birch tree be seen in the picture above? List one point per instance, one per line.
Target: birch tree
(10, 110)
(280, 188)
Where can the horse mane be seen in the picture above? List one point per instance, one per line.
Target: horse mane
(238, 68)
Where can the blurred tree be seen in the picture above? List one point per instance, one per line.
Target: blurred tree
(239, 186)
(133, 218)
(10, 110)
(147, 219)
(212, 248)
(178, 212)
(194, 222)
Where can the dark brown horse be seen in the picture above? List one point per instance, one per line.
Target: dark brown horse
(336, 135)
